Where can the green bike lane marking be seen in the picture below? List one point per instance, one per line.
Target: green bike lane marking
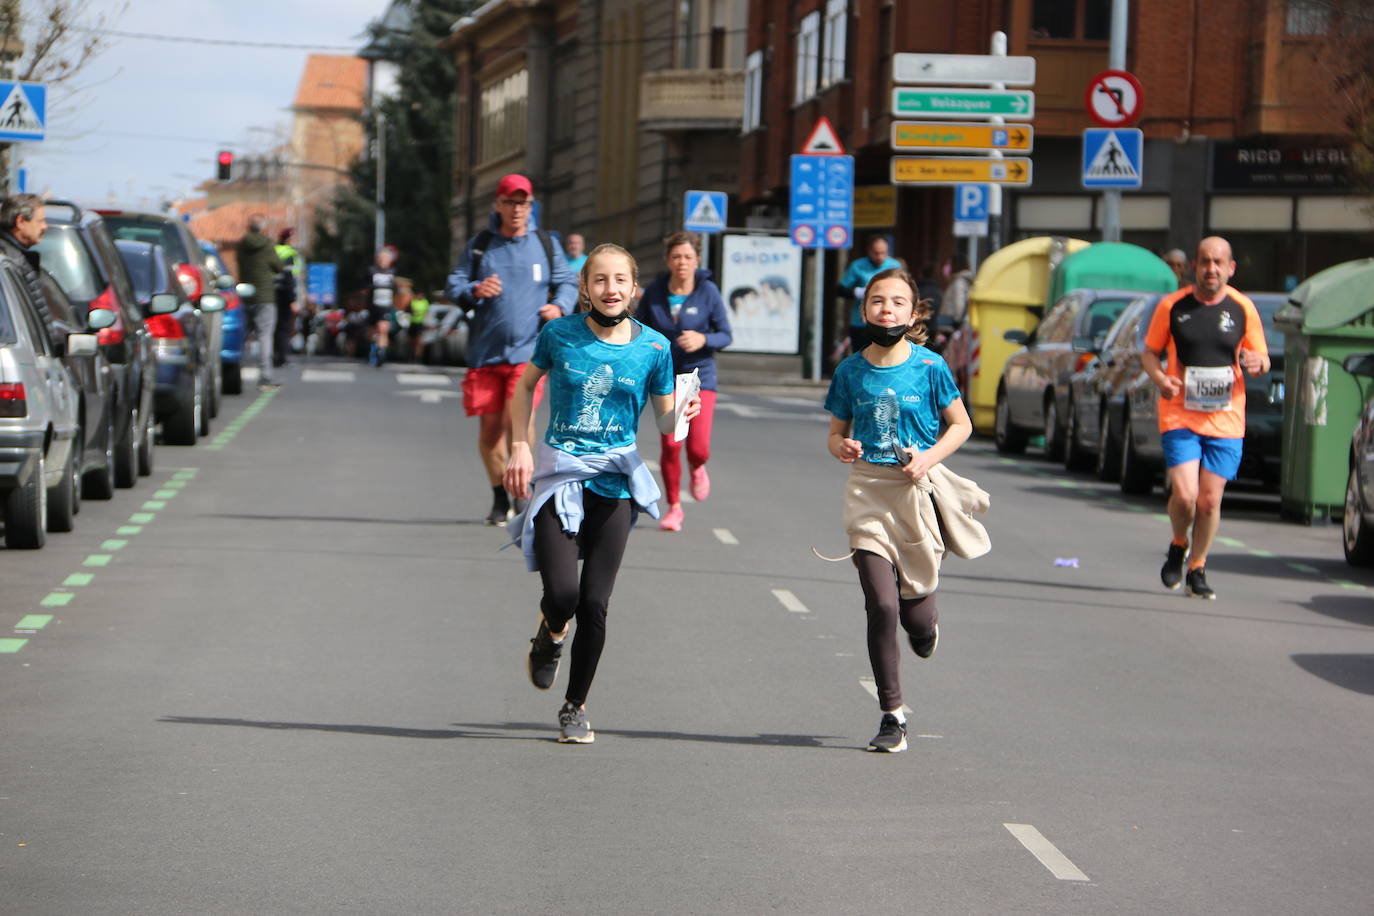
(238, 423)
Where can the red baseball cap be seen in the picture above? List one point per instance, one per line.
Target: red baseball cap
(512, 184)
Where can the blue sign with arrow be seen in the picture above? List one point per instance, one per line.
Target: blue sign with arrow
(24, 114)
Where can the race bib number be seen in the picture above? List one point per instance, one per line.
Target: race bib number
(381, 297)
(1208, 388)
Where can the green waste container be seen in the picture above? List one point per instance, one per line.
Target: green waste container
(1326, 319)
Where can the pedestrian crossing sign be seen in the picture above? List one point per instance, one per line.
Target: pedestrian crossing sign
(24, 114)
(1113, 157)
(705, 211)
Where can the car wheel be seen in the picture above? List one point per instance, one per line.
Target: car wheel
(1108, 449)
(126, 452)
(100, 482)
(1358, 538)
(233, 379)
(62, 498)
(147, 433)
(206, 387)
(1136, 478)
(1009, 439)
(184, 423)
(1054, 432)
(1076, 458)
(26, 512)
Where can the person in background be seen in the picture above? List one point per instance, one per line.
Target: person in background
(929, 289)
(856, 277)
(287, 294)
(1177, 259)
(576, 247)
(954, 304)
(259, 266)
(381, 304)
(686, 307)
(23, 220)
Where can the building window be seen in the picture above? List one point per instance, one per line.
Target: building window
(1308, 17)
(501, 130)
(1072, 20)
(836, 19)
(753, 92)
(808, 56)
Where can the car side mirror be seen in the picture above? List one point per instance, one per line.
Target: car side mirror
(100, 319)
(163, 304)
(1360, 364)
(82, 345)
(210, 302)
(246, 290)
(223, 282)
(1016, 336)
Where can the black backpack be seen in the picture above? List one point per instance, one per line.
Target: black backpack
(479, 248)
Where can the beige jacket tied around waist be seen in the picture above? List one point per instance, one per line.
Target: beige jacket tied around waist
(912, 524)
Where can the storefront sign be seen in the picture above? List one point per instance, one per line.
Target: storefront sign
(1284, 165)
(875, 206)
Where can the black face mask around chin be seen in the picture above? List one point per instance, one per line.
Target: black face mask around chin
(607, 321)
(886, 337)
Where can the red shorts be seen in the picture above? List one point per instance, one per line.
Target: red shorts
(487, 389)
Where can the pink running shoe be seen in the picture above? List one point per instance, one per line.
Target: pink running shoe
(672, 521)
(701, 484)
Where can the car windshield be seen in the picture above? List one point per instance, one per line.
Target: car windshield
(156, 231)
(1101, 314)
(1268, 307)
(64, 256)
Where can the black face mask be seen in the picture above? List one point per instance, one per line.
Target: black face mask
(886, 337)
(607, 321)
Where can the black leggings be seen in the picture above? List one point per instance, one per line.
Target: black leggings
(885, 608)
(605, 531)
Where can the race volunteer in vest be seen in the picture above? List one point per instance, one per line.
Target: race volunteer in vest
(1209, 333)
(513, 279)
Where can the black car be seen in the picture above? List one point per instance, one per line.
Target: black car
(78, 252)
(182, 394)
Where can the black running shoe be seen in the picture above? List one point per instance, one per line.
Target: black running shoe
(891, 737)
(573, 727)
(544, 655)
(1197, 585)
(1171, 573)
(924, 646)
(500, 512)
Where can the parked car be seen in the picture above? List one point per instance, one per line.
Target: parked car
(1141, 462)
(40, 426)
(183, 250)
(95, 445)
(79, 253)
(1033, 393)
(1357, 529)
(181, 396)
(235, 321)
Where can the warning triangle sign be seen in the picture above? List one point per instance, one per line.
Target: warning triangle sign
(823, 141)
(18, 114)
(705, 213)
(1111, 161)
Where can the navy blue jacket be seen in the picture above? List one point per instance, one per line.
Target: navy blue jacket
(703, 311)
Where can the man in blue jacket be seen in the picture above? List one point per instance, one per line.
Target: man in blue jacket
(855, 280)
(513, 279)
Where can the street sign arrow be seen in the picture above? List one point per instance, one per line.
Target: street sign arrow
(954, 170)
(1018, 104)
(941, 136)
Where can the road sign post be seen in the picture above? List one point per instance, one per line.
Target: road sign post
(956, 170)
(1017, 104)
(943, 137)
(821, 217)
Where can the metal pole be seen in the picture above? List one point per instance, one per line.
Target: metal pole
(999, 49)
(817, 310)
(1116, 60)
(379, 231)
(973, 253)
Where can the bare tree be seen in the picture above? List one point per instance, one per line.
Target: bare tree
(61, 36)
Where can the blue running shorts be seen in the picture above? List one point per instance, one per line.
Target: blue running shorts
(1220, 456)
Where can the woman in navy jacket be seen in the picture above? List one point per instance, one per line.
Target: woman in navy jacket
(686, 307)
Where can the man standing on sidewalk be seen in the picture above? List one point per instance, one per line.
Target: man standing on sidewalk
(1210, 333)
(513, 279)
(259, 265)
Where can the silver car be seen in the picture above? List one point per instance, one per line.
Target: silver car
(39, 418)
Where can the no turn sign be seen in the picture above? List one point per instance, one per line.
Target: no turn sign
(1114, 98)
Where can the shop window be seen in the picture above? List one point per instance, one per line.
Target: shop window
(501, 128)
(808, 57)
(834, 44)
(1334, 214)
(1071, 20)
(1251, 213)
(1039, 214)
(753, 92)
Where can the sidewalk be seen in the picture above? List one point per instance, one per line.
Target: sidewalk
(752, 370)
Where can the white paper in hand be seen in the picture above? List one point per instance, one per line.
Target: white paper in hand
(688, 386)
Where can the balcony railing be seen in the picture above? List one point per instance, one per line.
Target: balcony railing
(679, 100)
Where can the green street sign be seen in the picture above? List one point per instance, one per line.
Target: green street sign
(1016, 104)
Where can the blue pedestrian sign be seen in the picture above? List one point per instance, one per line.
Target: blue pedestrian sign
(1113, 157)
(24, 114)
(822, 211)
(704, 211)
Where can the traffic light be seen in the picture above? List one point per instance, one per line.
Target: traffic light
(226, 164)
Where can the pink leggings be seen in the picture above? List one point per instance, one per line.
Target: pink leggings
(698, 448)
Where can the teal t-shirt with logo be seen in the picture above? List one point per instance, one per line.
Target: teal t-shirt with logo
(892, 406)
(597, 390)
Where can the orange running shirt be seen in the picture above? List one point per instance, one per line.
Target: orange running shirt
(1191, 334)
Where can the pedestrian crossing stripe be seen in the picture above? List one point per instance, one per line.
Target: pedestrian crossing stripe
(706, 213)
(1111, 161)
(18, 117)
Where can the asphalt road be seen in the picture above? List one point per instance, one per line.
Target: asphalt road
(285, 675)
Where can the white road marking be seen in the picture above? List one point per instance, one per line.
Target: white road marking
(1049, 856)
(327, 375)
(420, 378)
(790, 601)
(724, 536)
(428, 395)
(793, 402)
(867, 683)
(743, 410)
(250, 373)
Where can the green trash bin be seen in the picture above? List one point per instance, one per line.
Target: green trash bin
(1326, 319)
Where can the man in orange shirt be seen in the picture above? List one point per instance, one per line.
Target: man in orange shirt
(1209, 333)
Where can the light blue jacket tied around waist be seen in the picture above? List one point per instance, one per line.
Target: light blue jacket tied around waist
(559, 476)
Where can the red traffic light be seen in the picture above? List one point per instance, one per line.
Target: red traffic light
(226, 163)
(226, 157)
